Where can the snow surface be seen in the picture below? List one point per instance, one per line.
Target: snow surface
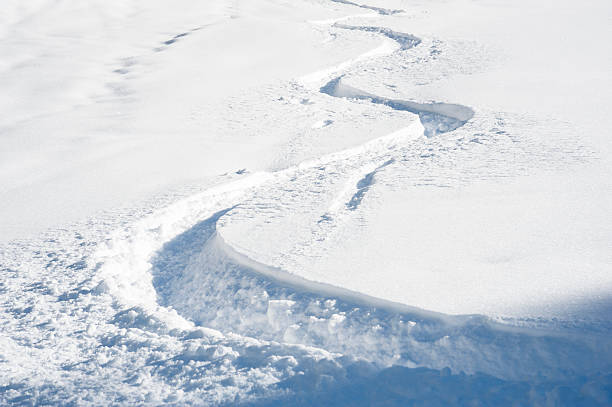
(315, 202)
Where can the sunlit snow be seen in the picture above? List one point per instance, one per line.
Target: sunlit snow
(309, 202)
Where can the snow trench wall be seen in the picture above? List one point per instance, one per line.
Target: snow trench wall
(436, 118)
(210, 283)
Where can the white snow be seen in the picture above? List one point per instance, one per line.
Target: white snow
(315, 202)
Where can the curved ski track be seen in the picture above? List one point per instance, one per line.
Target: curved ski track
(172, 311)
(177, 266)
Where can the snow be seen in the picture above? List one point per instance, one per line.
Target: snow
(319, 202)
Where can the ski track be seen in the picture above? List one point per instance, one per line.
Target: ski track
(364, 184)
(381, 11)
(194, 276)
(437, 118)
(406, 41)
(203, 315)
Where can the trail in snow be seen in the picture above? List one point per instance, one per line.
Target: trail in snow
(213, 284)
(364, 184)
(379, 10)
(406, 41)
(436, 118)
(198, 314)
(176, 260)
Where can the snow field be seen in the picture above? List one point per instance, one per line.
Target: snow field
(368, 223)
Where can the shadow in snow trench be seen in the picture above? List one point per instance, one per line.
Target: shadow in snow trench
(436, 117)
(379, 10)
(363, 185)
(205, 280)
(406, 41)
(401, 386)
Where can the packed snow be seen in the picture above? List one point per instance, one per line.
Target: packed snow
(312, 202)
